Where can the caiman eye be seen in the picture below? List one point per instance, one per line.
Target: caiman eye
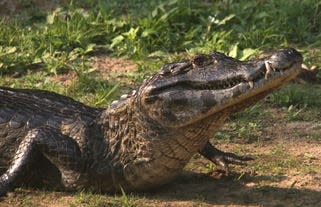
(176, 68)
(201, 60)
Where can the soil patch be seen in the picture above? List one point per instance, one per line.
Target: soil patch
(109, 68)
(11, 7)
(113, 68)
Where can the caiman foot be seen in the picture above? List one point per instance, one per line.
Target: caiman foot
(222, 159)
(59, 149)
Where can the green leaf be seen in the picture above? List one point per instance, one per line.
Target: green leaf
(157, 53)
(147, 32)
(37, 60)
(233, 51)
(246, 53)
(262, 15)
(226, 19)
(51, 17)
(132, 33)
(109, 93)
(10, 50)
(73, 55)
(155, 12)
(90, 48)
(118, 39)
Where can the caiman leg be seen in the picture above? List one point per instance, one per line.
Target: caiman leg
(59, 149)
(220, 158)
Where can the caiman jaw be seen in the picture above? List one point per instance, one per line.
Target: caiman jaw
(268, 79)
(185, 92)
(271, 79)
(234, 94)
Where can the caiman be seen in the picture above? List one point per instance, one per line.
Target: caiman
(142, 140)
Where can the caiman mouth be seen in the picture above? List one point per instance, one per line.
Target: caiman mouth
(265, 73)
(240, 93)
(247, 92)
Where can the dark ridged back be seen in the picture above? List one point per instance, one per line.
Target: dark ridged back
(25, 109)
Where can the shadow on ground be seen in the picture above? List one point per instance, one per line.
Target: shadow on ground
(204, 189)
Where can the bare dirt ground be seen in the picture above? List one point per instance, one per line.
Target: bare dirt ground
(114, 69)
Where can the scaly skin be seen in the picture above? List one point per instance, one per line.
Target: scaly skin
(142, 140)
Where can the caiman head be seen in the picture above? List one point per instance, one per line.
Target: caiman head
(186, 92)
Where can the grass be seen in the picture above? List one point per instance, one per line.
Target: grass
(298, 95)
(94, 200)
(66, 37)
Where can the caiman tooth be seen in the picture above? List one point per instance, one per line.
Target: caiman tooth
(114, 102)
(251, 84)
(124, 96)
(268, 69)
(313, 67)
(304, 66)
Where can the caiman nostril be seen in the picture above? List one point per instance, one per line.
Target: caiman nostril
(292, 52)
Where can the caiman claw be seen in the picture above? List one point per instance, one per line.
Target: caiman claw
(222, 159)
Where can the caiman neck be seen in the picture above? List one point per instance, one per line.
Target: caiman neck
(146, 152)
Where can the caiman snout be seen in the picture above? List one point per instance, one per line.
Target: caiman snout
(282, 60)
(285, 58)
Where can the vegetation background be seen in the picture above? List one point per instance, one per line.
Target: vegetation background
(95, 50)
